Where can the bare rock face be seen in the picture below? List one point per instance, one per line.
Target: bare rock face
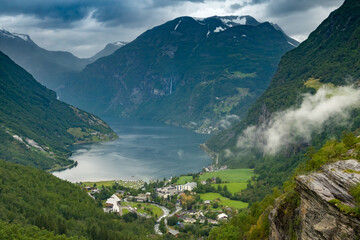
(318, 218)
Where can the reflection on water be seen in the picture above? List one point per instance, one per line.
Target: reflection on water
(145, 150)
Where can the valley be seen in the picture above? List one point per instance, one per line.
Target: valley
(211, 128)
(196, 201)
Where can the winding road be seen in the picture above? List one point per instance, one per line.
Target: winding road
(165, 215)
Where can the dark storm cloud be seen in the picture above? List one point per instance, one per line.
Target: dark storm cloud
(61, 13)
(237, 6)
(66, 11)
(286, 7)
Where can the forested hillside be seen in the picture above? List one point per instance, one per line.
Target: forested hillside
(30, 196)
(328, 58)
(36, 129)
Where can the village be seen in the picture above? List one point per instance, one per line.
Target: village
(194, 202)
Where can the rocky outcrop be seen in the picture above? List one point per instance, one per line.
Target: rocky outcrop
(316, 217)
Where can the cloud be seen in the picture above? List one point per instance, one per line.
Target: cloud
(67, 11)
(290, 6)
(296, 125)
(85, 27)
(237, 6)
(62, 13)
(227, 121)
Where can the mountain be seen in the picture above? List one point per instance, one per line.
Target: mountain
(328, 58)
(36, 129)
(51, 68)
(109, 49)
(200, 73)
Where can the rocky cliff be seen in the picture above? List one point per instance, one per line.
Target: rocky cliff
(324, 208)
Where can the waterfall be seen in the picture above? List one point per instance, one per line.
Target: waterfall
(171, 83)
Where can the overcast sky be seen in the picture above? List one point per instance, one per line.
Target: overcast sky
(84, 27)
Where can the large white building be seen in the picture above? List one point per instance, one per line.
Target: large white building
(113, 204)
(165, 192)
(188, 186)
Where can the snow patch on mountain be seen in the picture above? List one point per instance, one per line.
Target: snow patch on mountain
(14, 35)
(241, 21)
(120, 44)
(22, 36)
(177, 25)
(292, 44)
(230, 22)
(198, 19)
(6, 33)
(219, 29)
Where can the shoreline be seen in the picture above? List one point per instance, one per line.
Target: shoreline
(62, 168)
(213, 155)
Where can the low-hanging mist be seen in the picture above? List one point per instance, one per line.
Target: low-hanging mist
(297, 124)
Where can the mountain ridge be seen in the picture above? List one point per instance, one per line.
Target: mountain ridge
(328, 59)
(177, 62)
(322, 62)
(51, 68)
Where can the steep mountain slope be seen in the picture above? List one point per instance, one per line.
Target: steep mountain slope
(318, 67)
(189, 72)
(320, 201)
(51, 68)
(31, 197)
(35, 128)
(330, 55)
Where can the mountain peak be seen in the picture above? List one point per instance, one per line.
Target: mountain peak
(25, 37)
(109, 49)
(119, 43)
(232, 21)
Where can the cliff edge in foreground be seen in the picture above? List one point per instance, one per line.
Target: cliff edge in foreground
(326, 209)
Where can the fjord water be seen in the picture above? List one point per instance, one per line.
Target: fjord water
(145, 150)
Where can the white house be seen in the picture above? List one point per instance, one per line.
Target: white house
(189, 220)
(222, 216)
(112, 204)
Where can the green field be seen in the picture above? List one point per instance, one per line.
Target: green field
(223, 200)
(184, 179)
(149, 209)
(232, 187)
(125, 210)
(129, 184)
(231, 175)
